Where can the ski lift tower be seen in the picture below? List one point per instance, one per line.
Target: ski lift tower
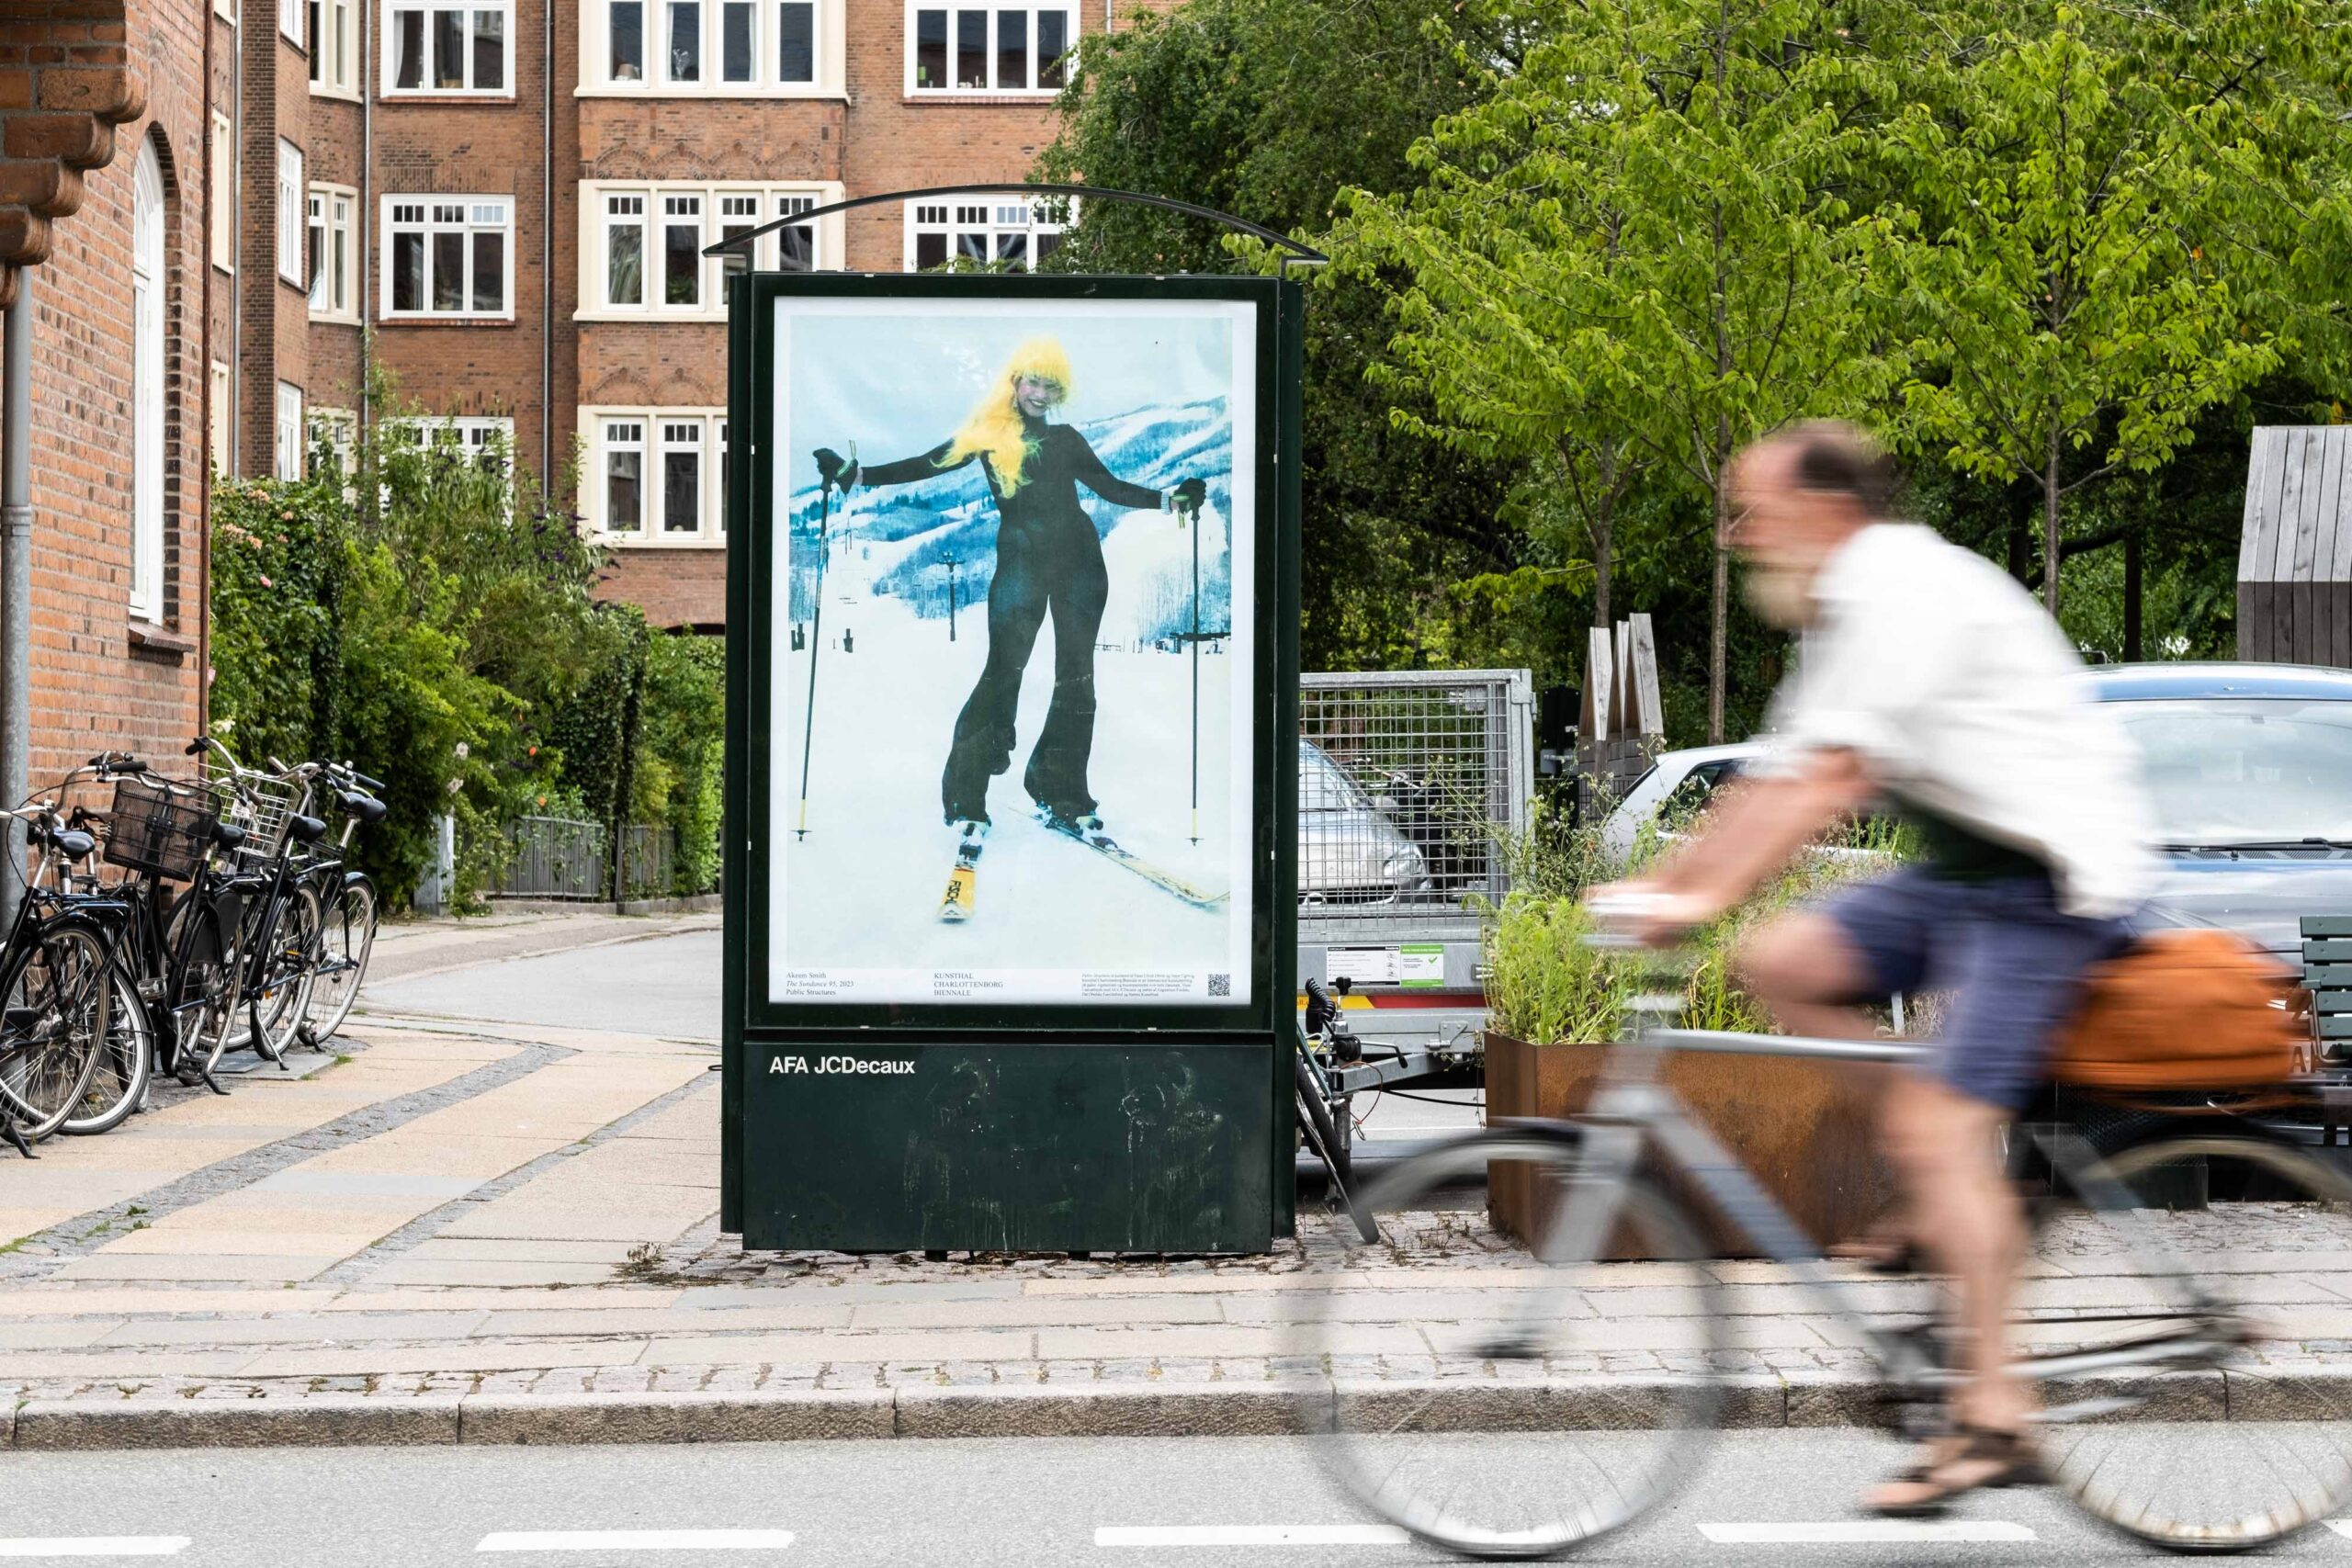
(1086, 1041)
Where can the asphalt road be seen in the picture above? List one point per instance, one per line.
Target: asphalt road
(1002, 1504)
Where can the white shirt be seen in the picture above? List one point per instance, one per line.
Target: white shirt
(1963, 697)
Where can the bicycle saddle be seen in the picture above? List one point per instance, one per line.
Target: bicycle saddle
(73, 844)
(227, 835)
(367, 807)
(305, 830)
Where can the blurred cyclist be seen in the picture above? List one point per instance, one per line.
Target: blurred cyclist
(1930, 682)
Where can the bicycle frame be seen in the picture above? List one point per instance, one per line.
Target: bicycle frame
(1632, 1113)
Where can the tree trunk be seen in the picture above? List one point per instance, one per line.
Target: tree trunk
(2133, 564)
(1604, 533)
(2050, 524)
(1719, 590)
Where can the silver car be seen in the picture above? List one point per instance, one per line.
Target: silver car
(1350, 855)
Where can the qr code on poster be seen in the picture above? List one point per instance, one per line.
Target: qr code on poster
(1220, 984)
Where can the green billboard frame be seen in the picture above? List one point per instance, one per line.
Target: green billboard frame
(1134, 1127)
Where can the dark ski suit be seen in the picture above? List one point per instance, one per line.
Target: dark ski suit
(1049, 561)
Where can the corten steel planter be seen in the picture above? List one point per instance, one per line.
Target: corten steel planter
(1806, 1129)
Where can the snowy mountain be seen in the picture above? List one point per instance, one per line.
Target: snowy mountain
(903, 536)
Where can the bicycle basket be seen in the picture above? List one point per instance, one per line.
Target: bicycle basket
(159, 827)
(262, 807)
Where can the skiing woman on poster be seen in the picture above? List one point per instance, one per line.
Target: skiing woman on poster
(1048, 562)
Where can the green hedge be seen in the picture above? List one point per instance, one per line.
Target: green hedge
(430, 621)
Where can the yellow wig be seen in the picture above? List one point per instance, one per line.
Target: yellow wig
(994, 430)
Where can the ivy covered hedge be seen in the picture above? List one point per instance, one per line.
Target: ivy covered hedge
(429, 620)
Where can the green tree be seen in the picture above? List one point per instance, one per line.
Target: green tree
(1266, 108)
(1635, 243)
(2099, 222)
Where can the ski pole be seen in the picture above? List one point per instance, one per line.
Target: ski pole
(816, 633)
(1192, 514)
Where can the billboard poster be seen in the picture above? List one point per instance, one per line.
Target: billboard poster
(1009, 753)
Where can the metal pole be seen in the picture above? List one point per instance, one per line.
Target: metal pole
(15, 576)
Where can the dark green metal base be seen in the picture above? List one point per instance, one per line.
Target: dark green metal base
(987, 1146)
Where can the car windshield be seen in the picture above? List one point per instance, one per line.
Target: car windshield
(1323, 785)
(2246, 770)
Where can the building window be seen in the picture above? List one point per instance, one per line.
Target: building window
(290, 20)
(451, 46)
(222, 458)
(648, 259)
(723, 46)
(333, 441)
(290, 213)
(225, 193)
(332, 264)
(623, 466)
(984, 232)
(333, 48)
(661, 474)
(289, 430)
(989, 49)
(486, 441)
(448, 255)
(147, 386)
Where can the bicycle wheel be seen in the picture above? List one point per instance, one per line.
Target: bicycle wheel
(58, 1005)
(2222, 1231)
(347, 937)
(1481, 1422)
(286, 956)
(206, 1021)
(120, 1083)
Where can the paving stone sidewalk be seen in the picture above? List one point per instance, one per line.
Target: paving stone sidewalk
(503, 1234)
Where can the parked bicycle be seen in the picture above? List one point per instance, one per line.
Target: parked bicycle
(2139, 1212)
(67, 1005)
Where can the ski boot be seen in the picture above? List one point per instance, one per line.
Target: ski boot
(971, 836)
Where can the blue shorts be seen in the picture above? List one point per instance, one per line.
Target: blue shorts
(2010, 964)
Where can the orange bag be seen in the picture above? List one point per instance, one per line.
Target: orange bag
(2196, 1008)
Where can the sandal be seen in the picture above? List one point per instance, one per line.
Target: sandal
(1970, 1460)
(1888, 1253)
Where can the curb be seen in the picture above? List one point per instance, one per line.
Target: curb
(1044, 1410)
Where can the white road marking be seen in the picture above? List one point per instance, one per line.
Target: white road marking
(1837, 1532)
(2341, 1526)
(636, 1541)
(1250, 1535)
(92, 1545)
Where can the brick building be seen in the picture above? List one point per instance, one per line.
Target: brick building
(105, 166)
(514, 196)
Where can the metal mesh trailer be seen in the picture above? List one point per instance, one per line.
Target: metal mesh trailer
(1407, 782)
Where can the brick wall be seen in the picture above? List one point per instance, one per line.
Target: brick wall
(96, 684)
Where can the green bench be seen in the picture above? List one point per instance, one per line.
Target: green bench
(2327, 975)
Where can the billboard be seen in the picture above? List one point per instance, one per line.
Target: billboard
(1012, 757)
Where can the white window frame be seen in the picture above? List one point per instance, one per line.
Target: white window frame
(332, 211)
(1069, 10)
(602, 209)
(221, 459)
(225, 9)
(434, 223)
(336, 429)
(828, 27)
(148, 280)
(948, 216)
(335, 49)
(223, 216)
(656, 431)
(291, 432)
(393, 10)
(289, 22)
(291, 230)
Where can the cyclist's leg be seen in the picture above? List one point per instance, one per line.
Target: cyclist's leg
(1814, 969)
(2014, 967)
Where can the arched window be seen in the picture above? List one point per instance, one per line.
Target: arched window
(147, 282)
